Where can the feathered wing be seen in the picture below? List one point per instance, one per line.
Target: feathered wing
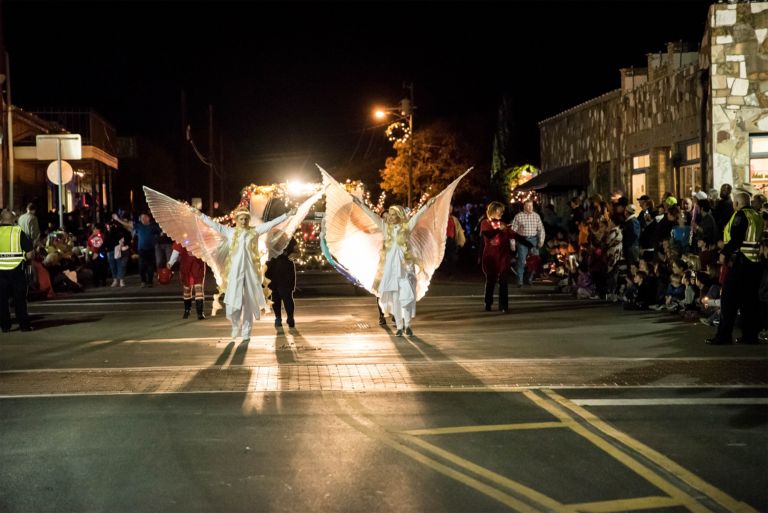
(186, 228)
(429, 235)
(277, 239)
(352, 237)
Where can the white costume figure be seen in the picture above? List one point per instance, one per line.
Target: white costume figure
(399, 274)
(233, 253)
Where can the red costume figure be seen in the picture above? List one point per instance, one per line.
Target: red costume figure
(495, 262)
(192, 271)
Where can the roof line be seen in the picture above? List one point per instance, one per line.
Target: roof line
(593, 101)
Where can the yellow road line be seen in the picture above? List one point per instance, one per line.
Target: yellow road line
(480, 429)
(500, 496)
(624, 505)
(678, 495)
(538, 497)
(696, 482)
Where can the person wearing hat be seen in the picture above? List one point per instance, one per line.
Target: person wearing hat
(746, 187)
(631, 235)
(741, 253)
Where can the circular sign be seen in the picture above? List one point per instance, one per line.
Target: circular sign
(66, 172)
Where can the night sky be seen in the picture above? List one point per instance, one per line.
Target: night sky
(296, 83)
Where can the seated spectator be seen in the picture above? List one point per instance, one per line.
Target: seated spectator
(693, 262)
(675, 292)
(585, 288)
(679, 266)
(643, 296)
(691, 291)
(629, 278)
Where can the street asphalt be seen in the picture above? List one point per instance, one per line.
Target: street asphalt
(115, 403)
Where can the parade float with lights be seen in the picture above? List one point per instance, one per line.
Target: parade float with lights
(268, 202)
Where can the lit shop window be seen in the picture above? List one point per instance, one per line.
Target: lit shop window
(692, 152)
(758, 161)
(640, 162)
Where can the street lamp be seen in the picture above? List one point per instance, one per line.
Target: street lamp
(404, 111)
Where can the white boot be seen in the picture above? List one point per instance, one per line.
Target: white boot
(235, 332)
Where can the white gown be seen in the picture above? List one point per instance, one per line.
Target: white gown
(244, 298)
(397, 291)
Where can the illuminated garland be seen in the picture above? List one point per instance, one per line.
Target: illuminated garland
(523, 196)
(286, 191)
(379, 208)
(424, 198)
(401, 126)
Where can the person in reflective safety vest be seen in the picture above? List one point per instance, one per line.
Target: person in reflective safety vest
(741, 254)
(15, 248)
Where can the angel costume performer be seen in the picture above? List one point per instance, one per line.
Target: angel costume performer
(234, 253)
(399, 274)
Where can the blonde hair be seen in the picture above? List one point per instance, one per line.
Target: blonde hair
(694, 263)
(399, 212)
(494, 207)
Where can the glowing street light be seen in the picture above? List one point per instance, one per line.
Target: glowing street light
(404, 113)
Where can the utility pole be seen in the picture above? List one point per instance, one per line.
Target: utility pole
(184, 138)
(221, 170)
(409, 112)
(10, 132)
(210, 159)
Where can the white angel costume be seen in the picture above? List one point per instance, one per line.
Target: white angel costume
(393, 262)
(234, 254)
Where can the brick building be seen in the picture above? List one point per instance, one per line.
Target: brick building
(697, 115)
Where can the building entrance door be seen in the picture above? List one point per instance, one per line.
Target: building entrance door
(638, 188)
(688, 179)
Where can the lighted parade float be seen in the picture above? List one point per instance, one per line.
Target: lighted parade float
(268, 202)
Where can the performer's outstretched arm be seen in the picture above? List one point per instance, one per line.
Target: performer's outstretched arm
(264, 228)
(370, 213)
(224, 230)
(415, 219)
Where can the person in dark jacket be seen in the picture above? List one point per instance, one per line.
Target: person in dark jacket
(281, 271)
(724, 209)
(706, 226)
(577, 217)
(114, 237)
(631, 235)
(644, 296)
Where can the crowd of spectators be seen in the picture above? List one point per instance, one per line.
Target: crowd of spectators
(664, 257)
(81, 255)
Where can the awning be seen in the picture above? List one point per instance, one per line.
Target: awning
(568, 177)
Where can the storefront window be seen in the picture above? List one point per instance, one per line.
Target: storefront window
(758, 160)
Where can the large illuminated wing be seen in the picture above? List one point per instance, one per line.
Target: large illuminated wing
(185, 227)
(428, 237)
(277, 239)
(352, 237)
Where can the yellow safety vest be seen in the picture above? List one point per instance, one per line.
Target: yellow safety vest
(11, 254)
(751, 245)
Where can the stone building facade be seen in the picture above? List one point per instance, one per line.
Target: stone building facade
(693, 117)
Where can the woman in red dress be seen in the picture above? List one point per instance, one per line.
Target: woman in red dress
(497, 237)
(192, 271)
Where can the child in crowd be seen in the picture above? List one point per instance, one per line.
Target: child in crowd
(691, 291)
(643, 296)
(585, 286)
(693, 262)
(706, 253)
(630, 281)
(682, 233)
(679, 266)
(675, 292)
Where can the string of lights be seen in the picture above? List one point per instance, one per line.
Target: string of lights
(398, 132)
